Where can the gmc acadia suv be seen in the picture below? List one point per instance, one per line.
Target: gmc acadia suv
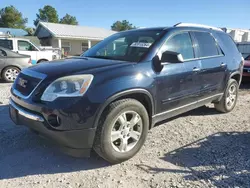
(108, 98)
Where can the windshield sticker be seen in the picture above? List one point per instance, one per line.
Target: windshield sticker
(141, 44)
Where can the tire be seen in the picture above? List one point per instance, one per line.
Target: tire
(10, 73)
(111, 120)
(42, 60)
(230, 95)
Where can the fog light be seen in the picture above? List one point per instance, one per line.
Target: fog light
(54, 120)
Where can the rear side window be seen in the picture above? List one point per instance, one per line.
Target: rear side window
(6, 44)
(180, 43)
(228, 42)
(206, 44)
(2, 53)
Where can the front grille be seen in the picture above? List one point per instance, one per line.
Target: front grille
(29, 84)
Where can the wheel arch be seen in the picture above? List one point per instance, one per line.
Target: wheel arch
(4, 68)
(141, 95)
(236, 76)
(42, 60)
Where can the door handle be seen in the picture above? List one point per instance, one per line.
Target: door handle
(223, 64)
(195, 69)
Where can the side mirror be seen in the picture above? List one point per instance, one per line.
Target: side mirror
(171, 57)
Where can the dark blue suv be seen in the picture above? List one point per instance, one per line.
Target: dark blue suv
(108, 98)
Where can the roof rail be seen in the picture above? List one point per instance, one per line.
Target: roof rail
(196, 25)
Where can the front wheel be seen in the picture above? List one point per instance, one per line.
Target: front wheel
(229, 99)
(9, 74)
(122, 130)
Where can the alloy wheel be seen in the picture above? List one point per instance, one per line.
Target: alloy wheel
(11, 74)
(231, 96)
(126, 131)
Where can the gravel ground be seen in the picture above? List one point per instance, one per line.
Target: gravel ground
(201, 148)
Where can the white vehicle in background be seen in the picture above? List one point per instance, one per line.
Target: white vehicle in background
(26, 47)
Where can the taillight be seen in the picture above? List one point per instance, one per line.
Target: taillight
(242, 64)
(242, 58)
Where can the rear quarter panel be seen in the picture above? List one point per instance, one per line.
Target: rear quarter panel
(232, 58)
(20, 62)
(44, 55)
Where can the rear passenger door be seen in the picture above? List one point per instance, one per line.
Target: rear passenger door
(213, 67)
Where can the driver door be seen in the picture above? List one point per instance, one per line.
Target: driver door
(178, 84)
(26, 48)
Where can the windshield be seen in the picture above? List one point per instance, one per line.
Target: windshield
(124, 46)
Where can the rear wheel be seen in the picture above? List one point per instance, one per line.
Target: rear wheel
(9, 74)
(122, 130)
(229, 99)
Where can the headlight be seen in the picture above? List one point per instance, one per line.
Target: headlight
(69, 86)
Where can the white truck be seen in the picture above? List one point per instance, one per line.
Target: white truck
(25, 46)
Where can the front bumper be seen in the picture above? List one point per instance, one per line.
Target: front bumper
(77, 143)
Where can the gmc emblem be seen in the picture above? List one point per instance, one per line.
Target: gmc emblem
(22, 82)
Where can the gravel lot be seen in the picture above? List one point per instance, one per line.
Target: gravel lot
(201, 148)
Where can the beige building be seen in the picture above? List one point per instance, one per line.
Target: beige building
(71, 39)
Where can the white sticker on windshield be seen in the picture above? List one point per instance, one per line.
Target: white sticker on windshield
(141, 44)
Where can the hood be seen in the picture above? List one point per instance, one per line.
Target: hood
(247, 63)
(74, 65)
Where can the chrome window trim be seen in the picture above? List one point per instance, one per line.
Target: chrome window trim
(26, 113)
(201, 58)
(33, 74)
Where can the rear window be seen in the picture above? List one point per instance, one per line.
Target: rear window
(6, 44)
(206, 44)
(228, 42)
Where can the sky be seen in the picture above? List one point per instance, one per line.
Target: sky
(143, 13)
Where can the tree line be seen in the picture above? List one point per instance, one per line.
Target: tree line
(11, 17)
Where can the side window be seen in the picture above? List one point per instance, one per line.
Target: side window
(85, 46)
(228, 42)
(2, 53)
(6, 44)
(180, 43)
(206, 44)
(25, 46)
(66, 46)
